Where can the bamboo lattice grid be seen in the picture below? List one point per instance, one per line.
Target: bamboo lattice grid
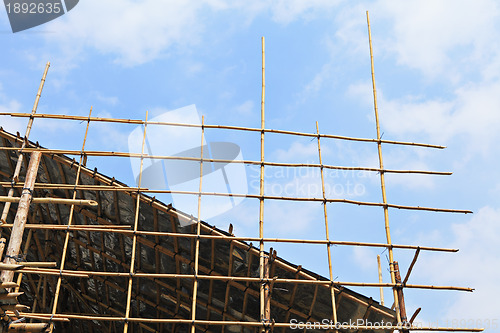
(96, 255)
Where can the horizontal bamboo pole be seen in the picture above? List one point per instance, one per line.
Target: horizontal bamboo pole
(237, 128)
(198, 159)
(41, 316)
(10, 295)
(270, 197)
(45, 271)
(110, 228)
(27, 327)
(14, 307)
(47, 316)
(58, 201)
(239, 278)
(5, 285)
(56, 186)
(39, 264)
(347, 201)
(10, 267)
(97, 228)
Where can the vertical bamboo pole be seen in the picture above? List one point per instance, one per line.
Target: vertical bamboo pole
(20, 158)
(198, 232)
(134, 239)
(261, 199)
(16, 236)
(2, 247)
(328, 249)
(382, 178)
(380, 279)
(70, 221)
(401, 297)
(267, 288)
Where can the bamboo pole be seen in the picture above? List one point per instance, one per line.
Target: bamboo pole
(382, 178)
(119, 229)
(56, 201)
(20, 158)
(2, 245)
(27, 327)
(231, 323)
(411, 266)
(16, 236)
(237, 128)
(48, 271)
(215, 160)
(14, 307)
(327, 232)
(10, 267)
(111, 228)
(347, 201)
(70, 221)
(401, 297)
(380, 280)
(261, 190)
(9, 296)
(6, 285)
(198, 232)
(134, 239)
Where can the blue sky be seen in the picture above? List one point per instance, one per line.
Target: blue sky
(437, 67)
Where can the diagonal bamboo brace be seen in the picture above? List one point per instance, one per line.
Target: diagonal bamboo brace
(16, 237)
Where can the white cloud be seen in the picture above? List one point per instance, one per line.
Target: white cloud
(299, 151)
(476, 265)
(286, 11)
(132, 31)
(428, 34)
(284, 219)
(314, 86)
(12, 124)
(365, 258)
(136, 32)
(471, 114)
(245, 108)
(109, 100)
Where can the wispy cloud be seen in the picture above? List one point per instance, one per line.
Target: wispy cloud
(476, 265)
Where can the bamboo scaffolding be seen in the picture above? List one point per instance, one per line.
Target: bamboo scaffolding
(327, 232)
(27, 327)
(70, 221)
(47, 271)
(382, 178)
(10, 295)
(193, 260)
(411, 266)
(86, 227)
(380, 280)
(134, 239)
(16, 236)
(237, 128)
(119, 229)
(329, 200)
(261, 189)
(198, 232)
(5, 285)
(239, 323)
(215, 160)
(20, 158)
(52, 201)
